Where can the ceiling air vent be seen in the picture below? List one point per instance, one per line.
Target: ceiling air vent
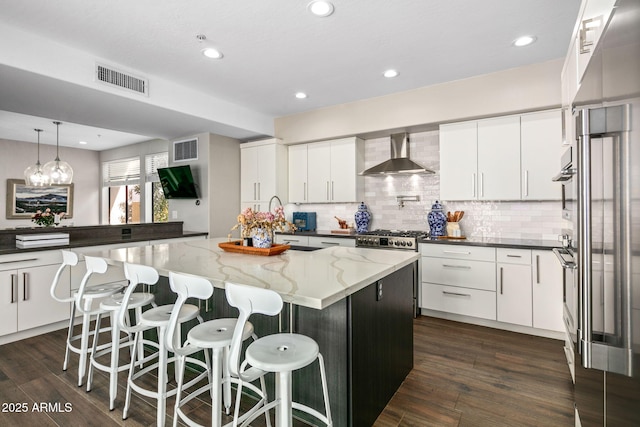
(185, 150)
(122, 80)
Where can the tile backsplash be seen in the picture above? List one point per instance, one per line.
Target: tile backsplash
(510, 220)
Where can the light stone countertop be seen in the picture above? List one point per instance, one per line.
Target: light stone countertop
(311, 279)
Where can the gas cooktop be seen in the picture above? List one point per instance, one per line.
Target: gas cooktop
(391, 239)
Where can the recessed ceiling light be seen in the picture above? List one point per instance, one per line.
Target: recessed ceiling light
(390, 74)
(212, 53)
(301, 95)
(320, 8)
(82, 142)
(524, 41)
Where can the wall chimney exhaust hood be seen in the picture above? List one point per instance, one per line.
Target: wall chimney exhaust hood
(399, 161)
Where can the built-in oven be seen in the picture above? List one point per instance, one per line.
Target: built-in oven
(567, 256)
(566, 178)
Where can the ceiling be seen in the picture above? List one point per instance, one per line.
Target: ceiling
(272, 49)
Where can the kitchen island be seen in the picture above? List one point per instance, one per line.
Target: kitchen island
(357, 303)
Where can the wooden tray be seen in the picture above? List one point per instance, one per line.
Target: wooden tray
(451, 237)
(236, 246)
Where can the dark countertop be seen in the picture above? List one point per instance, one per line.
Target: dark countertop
(94, 238)
(498, 243)
(489, 242)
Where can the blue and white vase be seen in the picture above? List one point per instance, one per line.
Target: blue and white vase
(437, 220)
(362, 217)
(261, 238)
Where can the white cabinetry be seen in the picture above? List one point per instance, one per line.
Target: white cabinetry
(298, 179)
(326, 171)
(514, 298)
(459, 280)
(519, 287)
(25, 301)
(327, 242)
(503, 158)
(547, 291)
(459, 161)
(292, 239)
(541, 136)
(263, 173)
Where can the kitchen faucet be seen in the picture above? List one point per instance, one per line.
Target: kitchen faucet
(271, 200)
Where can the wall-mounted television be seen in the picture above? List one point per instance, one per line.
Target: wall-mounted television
(177, 182)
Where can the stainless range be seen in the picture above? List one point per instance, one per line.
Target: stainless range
(391, 239)
(402, 240)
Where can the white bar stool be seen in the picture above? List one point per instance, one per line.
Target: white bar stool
(118, 307)
(154, 318)
(82, 301)
(278, 353)
(214, 335)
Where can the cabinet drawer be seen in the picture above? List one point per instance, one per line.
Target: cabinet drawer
(456, 272)
(30, 259)
(326, 242)
(514, 256)
(292, 239)
(466, 302)
(477, 253)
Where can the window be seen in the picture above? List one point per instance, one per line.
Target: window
(159, 211)
(122, 179)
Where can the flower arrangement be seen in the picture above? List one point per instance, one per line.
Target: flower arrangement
(251, 222)
(47, 218)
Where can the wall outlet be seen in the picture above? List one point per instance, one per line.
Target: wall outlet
(174, 214)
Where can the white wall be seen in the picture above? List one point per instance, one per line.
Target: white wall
(15, 156)
(530, 88)
(510, 220)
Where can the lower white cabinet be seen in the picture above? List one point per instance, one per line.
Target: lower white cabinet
(292, 239)
(25, 283)
(459, 300)
(514, 298)
(327, 242)
(547, 291)
(516, 286)
(459, 279)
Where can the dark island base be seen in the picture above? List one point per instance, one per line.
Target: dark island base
(366, 341)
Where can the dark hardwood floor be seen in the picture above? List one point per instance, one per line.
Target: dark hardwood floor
(464, 375)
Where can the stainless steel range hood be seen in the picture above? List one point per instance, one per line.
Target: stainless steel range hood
(399, 161)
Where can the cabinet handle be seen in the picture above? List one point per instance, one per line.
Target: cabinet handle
(332, 192)
(463, 267)
(18, 260)
(330, 243)
(254, 191)
(304, 191)
(501, 281)
(537, 268)
(25, 285)
(456, 252)
(259, 198)
(526, 183)
(481, 184)
(327, 190)
(514, 256)
(473, 184)
(14, 279)
(588, 25)
(456, 294)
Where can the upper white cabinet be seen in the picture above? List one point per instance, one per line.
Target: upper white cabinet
(540, 147)
(458, 161)
(327, 171)
(298, 173)
(503, 158)
(263, 166)
(499, 158)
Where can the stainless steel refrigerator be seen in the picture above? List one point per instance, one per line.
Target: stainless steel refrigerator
(607, 120)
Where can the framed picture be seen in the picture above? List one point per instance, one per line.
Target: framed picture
(23, 200)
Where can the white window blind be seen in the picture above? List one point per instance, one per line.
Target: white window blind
(151, 164)
(121, 172)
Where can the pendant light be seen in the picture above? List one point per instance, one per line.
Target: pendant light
(34, 175)
(59, 171)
